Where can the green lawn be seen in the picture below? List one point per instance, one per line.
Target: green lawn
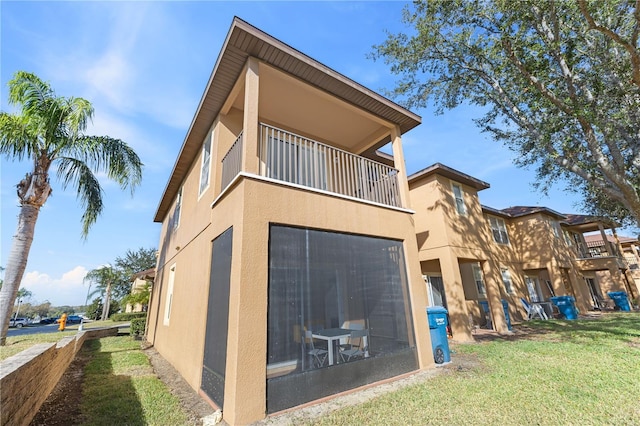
(16, 344)
(120, 387)
(584, 372)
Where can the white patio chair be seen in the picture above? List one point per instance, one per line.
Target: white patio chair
(534, 310)
(356, 346)
(318, 355)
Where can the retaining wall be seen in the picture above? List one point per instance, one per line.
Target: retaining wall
(27, 378)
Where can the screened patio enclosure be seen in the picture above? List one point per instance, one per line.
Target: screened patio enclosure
(330, 284)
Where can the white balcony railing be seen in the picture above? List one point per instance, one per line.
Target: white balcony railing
(232, 162)
(292, 158)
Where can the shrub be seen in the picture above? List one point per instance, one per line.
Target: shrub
(137, 326)
(128, 316)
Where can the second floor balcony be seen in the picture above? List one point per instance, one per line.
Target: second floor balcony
(287, 157)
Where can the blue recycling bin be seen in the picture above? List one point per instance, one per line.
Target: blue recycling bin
(566, 306)
(505, 307)
(437, 316)
(620, 299)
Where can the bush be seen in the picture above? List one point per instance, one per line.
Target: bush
(128, 316)
(137, 326)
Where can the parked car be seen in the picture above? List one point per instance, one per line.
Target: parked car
(72, 319)
(18, 322)
(48, 320)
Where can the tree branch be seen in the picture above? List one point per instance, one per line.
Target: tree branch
(629, 46)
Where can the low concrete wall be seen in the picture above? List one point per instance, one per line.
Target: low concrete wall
(27, 378)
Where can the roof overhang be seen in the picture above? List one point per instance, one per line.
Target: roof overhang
(243, 41)
(587, 223)
(448, 172)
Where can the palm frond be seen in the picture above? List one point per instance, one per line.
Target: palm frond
(112, 156)
(72, 171)
(17, 140)
(29, 91)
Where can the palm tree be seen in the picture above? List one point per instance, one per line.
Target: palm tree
(50, 129)
(104, 277)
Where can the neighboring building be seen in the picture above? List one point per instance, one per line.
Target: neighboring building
(628, 247)
(473, 255)
(141, 281)
(281, 217)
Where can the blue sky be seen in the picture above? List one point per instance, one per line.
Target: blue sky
(144, 66)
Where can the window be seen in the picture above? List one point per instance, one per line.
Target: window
(326, 282)
(176, 210)
(459, 197)
(477, 276)
(206, 164)
(556, 228)
(435, 290)
(567, 237)
(506, 280)
(499, 230)
(169, 298)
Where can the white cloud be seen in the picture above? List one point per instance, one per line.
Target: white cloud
(67, 289)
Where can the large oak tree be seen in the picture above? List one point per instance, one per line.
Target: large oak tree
(560, 81)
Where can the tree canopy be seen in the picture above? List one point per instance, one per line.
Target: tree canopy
(560, 81)
(113, 282)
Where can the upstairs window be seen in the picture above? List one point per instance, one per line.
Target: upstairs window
(205, 165)
(477, 276)
(458, 195)
(169, 297)
(499, 230)
(176, 210)
(506, 280)
(555, 227)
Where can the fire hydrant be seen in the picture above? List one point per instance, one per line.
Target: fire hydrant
(63, 322)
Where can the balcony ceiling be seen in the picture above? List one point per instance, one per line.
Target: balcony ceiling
(290, 104)
(244, 41)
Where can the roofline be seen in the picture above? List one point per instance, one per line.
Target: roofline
(243, 41)
(495, 212)
(535, 210)
(451, 173)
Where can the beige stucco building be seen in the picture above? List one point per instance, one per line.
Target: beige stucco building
(473, 255)
(142, 282)
(282, 227)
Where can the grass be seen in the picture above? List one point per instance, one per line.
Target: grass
(17, 344)
(121, 388)
(584, 372)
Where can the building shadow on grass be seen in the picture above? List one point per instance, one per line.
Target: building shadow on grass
(108, 398)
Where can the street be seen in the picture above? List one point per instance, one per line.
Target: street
(36, 328)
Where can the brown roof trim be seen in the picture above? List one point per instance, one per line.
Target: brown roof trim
(450, 173)
(244, 40)
(494, 212)
(580, 219)
(518, 211)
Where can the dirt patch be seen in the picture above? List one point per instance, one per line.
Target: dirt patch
(62, 407)
(195, 407)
